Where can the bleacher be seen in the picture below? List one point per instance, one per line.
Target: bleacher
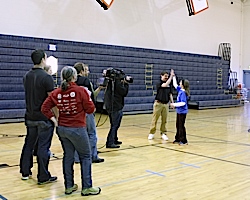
(200, 70)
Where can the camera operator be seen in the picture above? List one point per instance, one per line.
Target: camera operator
(117, 89)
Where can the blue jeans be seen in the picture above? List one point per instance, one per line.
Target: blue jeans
(115, 119)
(40, 132)
(91, 129)
(75, 139)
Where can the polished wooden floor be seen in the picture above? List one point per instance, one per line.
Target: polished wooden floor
(215, 164)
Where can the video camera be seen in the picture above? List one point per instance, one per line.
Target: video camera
(115, 74)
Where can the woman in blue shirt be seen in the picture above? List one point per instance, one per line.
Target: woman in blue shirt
(181, 109)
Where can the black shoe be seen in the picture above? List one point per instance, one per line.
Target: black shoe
(181, 143)
(118, 142)
(98, 160)
(51, 180)
(112, 146)
(176, 142)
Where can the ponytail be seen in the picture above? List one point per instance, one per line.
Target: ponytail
(67, 75)
(64, 85)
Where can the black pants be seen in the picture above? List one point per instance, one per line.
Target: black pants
(180, 127)
(115, 119)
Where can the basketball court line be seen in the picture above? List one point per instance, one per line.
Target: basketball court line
(210, 157)
(171, 149)
(2, 197)
(161, 173)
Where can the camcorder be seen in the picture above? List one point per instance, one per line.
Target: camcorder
(115, 74)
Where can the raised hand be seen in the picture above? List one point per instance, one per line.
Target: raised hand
(172, 72)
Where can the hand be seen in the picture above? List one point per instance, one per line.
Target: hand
(53, 119)
(172, 72)
(101, 87)
(172, 105)
(124, 81)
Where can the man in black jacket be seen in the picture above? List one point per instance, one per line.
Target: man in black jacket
(114, 102)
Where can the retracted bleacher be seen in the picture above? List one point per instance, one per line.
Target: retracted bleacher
(200, 70)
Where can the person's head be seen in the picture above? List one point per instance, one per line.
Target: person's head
(164, 75)
(184, 84)
(39, 57)
(48, 69)
(82, 69)
(68, 74)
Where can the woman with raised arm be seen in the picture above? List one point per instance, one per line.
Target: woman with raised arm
(181, 109)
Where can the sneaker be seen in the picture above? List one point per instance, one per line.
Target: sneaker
(51, 180)
(112, 146)
(91, 191)
(118, 142)
(164, 136)
(151, 136)
(181, 143)
(24, 178)
(72, 189)
(98, 160)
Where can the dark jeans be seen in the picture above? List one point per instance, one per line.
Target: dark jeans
(91, 129)
(115, 119)
(40, 132)
(180, 127)
(75, 139)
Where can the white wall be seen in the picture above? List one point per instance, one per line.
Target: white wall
(246, 37)
(154, 24)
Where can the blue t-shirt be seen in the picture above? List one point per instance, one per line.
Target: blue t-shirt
(182, 97)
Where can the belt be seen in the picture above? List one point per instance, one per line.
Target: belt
(160, 102)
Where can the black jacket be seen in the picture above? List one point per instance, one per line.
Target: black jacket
(84, 81)
(114, 100)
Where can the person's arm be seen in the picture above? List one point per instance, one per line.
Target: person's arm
(87, 84)
(96, 92)
(46, 109)
(88, 105)
(171, 98)
(175, 82)
(122, 88)
(179, 104)
(54, 109)
(183, 100)
(54, 120)
(169, 80)
(50, 85)
(56, 112)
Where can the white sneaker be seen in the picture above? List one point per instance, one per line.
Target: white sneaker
(164, 137)
(151, 136)
(26, 177)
